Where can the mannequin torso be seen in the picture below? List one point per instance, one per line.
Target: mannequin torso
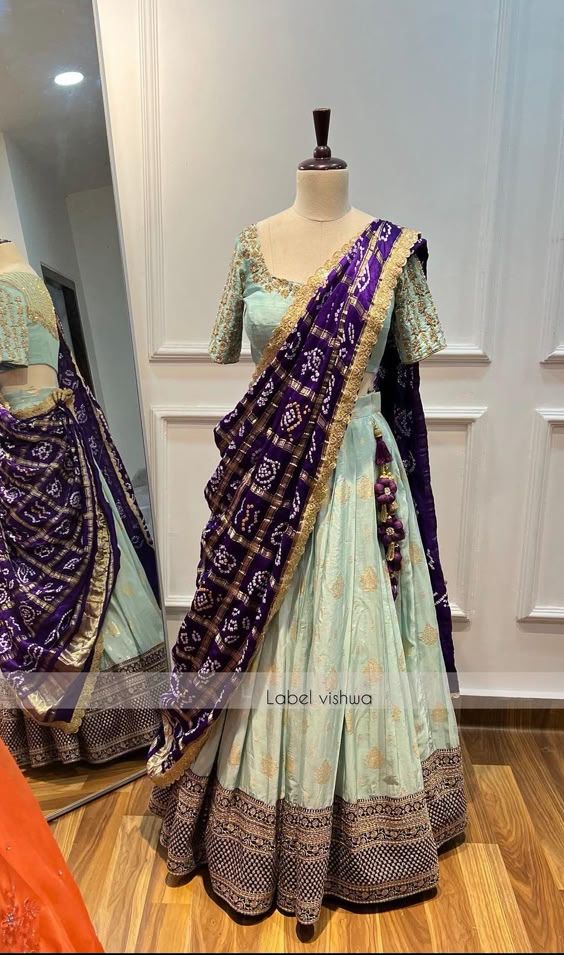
(297, 241)
(32, 376)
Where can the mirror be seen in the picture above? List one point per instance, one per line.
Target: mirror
(82, 639)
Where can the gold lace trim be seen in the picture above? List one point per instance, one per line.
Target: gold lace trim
(260, 273)
(376, 315)
(38, 299)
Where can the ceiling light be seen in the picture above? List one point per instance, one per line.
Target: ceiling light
(69, 79)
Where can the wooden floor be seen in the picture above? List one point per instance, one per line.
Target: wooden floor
(56, 787)
(501, 891)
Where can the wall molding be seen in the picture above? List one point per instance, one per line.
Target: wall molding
(494, 192)
(553, 294)
(162, 349)
(197, 352)
(444, 417)
(162, 416)
(546, 421)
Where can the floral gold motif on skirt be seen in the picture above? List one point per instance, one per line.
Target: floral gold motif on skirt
(337, 587)
(365, 487)
(268, 766)
(323, 772)
(369, 578)
(373, 671)
(331, 679)
(415, 553)
(374, 758)
(439, 714)
(342, 492)
(429, 635)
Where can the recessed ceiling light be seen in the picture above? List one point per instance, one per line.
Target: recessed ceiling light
(69, 79)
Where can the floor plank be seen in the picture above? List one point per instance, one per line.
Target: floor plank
(123, 894)
(56, 787)
(542, 798)
(524, 860)
(498, 920)
(452, 927)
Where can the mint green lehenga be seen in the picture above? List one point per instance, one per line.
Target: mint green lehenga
(294, 793)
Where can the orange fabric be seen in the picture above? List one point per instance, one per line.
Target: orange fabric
(41, 909)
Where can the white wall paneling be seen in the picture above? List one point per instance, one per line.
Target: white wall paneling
(456, 459)
(450, 117)
(478, 278)
(182, 456)
(553, 297)
(541, 571)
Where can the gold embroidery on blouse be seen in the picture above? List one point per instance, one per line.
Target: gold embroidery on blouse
(40, 306)
(260, 274)
(225, 342)
(13, 326)
(417, 329)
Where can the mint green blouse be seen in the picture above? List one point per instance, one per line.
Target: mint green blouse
(256, 301)
(28, 326)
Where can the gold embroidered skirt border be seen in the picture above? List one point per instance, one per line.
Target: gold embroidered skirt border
(107, 732)
(373, 850)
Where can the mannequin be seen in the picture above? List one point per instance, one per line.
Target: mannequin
(11, 259)
(298, 240)
(33, 376)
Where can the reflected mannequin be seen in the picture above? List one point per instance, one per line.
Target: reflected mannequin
(97, 609)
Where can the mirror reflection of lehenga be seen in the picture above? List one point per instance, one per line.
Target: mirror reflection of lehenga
(77, 567)
(319, 561)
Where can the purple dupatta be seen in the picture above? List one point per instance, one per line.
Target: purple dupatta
(278, 449)
(59, 554)
(403, 410)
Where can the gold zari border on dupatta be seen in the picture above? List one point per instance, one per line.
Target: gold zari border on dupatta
(374, 321)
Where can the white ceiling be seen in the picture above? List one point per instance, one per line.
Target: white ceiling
(63, 129)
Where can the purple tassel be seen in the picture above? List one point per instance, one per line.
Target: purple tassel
(390, 529)
(383, 455)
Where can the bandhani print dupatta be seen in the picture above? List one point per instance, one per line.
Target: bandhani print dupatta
(278, 449)
(59, 555)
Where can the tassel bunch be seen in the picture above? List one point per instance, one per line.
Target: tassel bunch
(390, 528)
